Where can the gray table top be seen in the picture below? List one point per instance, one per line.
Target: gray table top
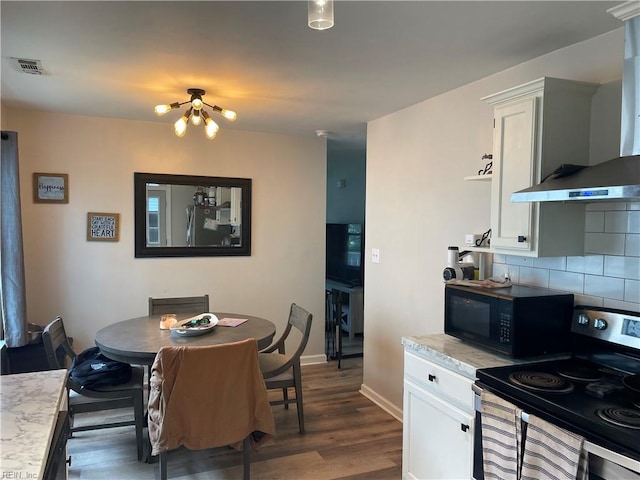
(138, 340)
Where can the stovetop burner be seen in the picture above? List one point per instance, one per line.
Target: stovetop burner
(580, 373)
(623, 417)
(541, 382)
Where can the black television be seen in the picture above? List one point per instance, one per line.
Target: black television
(345, 253)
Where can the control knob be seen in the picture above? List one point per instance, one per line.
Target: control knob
(600, 324)
(583, 319)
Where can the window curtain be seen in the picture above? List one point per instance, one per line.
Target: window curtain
(12, 284)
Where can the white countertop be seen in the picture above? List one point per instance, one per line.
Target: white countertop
(456, 355)
(29, 406)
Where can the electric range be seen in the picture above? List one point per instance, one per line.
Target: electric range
(584, 393)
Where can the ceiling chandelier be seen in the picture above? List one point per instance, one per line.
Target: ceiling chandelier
(320, 14)
(196, 113)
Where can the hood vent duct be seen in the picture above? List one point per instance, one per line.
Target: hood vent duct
(617, 179)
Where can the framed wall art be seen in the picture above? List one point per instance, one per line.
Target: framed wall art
(50, 188)
(103, 227)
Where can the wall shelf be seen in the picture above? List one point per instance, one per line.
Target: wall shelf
(479, 178)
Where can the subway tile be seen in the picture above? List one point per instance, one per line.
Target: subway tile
(632, 245)
(552, 263)
(511, 271)
(607, 287)
(571, 282)
(499, 258)
(593, 264)
(594, 222)
(516, 260)
(623, 267)
(537, 277)
(609, 303)
(622, 222)
(604, 243)
(632, 291)
(579, 299)
(606, 206)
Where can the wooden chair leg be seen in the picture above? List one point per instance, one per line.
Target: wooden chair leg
(163, 465)
(297, 378)
(139, 416)
(285, 397)
(246, 451)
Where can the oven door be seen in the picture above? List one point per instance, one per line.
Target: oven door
(604, 464)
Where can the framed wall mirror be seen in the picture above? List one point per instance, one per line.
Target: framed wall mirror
(190, 216)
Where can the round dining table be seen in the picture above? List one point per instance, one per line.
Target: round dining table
(138, 340)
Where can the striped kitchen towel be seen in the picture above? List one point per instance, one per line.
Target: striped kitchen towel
(501, 437)
(551, 453)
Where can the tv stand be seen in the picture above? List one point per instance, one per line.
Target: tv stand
(355, 310)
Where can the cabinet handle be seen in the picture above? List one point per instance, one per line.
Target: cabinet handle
(68, 460)
(522, 239)
(432, 378)
(464, 427)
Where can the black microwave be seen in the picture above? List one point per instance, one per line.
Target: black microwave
(518, 321)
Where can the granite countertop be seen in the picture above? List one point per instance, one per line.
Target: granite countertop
(29, 406)
(456, 355)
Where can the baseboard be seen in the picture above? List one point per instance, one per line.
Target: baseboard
(313, 359)
(383, 403)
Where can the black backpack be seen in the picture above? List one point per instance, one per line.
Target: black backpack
(92, 369)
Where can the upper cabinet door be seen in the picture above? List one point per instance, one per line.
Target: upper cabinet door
(514, 169)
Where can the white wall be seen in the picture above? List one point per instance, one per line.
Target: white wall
(93, 284)
(345, 204)
(416, 161)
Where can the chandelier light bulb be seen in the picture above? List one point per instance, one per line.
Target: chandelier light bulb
(320, 14)
(197, 103)
(229, 114)
(210, 127)
(162, 109)
(180, 126)
(196, 118)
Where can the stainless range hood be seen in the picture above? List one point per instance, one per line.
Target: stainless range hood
(617, 179)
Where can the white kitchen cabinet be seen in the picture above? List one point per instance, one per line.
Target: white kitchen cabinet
(229, 205)
(438, 421)
(537, 127)
(235, 214)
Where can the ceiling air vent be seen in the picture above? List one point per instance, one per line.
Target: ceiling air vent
(25, 65)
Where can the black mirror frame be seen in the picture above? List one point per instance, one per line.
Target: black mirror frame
(140, 181)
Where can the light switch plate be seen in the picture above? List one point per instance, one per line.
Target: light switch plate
(375, 255)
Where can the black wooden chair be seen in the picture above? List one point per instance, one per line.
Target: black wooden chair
(84, 400)
(334, 317)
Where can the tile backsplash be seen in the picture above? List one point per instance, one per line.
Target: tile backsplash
(609, 273)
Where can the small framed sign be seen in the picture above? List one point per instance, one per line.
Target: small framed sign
(103, 227)
(50, 188)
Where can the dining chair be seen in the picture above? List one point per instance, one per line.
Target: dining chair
(159, 306)
(81, 399)
(282, 371)
(206, 397)
(334, 319)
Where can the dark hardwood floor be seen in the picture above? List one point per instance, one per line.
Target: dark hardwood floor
(347, 437)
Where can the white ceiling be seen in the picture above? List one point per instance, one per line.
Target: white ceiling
(120, 59)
